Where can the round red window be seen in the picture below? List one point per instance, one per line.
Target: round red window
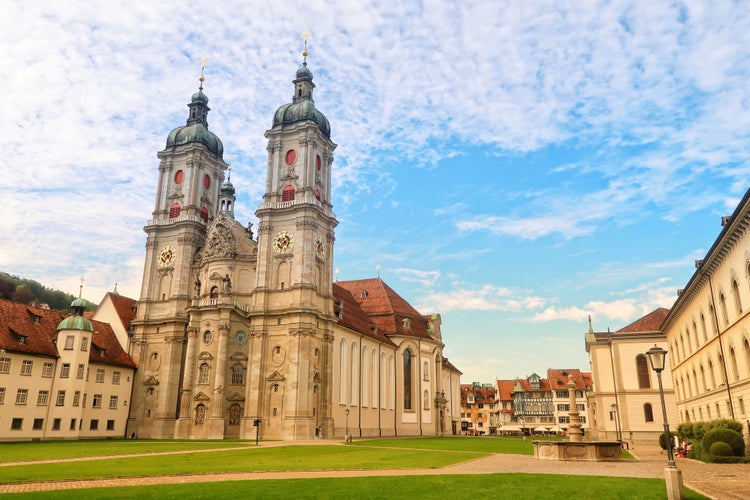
(291, 157)
(179, 176)
(206, 181)
(317, 162)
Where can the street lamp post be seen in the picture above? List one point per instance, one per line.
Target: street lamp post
(675, 489)
(347, 438)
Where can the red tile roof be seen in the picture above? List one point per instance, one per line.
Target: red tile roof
(448, 365)
(386, 308)
(353, 317)
(649, 323)
(125, 308)
(38, 327)
(558, 379)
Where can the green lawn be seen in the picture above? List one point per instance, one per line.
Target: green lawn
(50, 450)
(322, 457)
(528, 486)
(511, 444)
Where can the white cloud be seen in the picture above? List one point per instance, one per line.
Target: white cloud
(426, 278)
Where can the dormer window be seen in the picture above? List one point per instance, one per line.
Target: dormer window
(363, 294)
(406, 323)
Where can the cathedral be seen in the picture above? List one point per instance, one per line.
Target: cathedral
(239, 335)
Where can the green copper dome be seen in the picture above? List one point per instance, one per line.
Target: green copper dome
(76, 321)
(196, 130)
(227, 189)
(302, 108)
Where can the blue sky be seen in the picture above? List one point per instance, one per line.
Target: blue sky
(516, 166)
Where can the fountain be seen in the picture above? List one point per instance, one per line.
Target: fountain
(576, 449)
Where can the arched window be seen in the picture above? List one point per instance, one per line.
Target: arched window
(703, 378)
(648, 412)
(737, 300)
(641, 365)
(204, 215)
(407, 380)
(207, 336)
(426, 371)
(712, 318)
(723, 305)
(365, 375)
(174, 211)
(746, 348)
(695, 335)
(342, 371)
(375, 379)
(214, 292)
(383, 382)
(703, 328)
(353, 374)
(238, 374)
(689, 345)
(203, 373)
(287, 194)
(733, 362)
(711, 373)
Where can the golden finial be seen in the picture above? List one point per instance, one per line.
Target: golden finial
(203, 62)
(305, 36)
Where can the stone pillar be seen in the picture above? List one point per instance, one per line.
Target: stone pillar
(574, 431)
(217, 408)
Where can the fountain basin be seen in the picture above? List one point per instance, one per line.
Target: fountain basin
(581, 451)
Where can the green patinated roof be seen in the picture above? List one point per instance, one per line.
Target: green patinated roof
(75, 322)
(195, 133)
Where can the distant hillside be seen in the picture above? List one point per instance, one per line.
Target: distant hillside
(32, 292)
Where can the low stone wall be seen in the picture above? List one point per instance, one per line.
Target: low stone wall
(582, 451)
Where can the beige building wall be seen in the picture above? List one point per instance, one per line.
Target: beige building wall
(708, 329)
(621, 407)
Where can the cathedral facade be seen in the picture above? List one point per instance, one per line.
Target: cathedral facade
(239, 335)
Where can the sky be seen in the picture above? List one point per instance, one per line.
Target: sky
(515, 166)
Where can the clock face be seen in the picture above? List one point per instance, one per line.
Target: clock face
(283, 242)
(167, 256)
(240, 338)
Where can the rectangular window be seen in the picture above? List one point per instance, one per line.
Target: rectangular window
(16, 424)
(38, 424)
(72, 424)
(116, 378)
(84, 400)
(94, 426)
(97, 401)
(562, 394)
(60, 398)
(65, 370)
(79, 373)
(99, 376)
(113, 402)
(69, 342)
(41, 399)
(564, 420)
(85, 344)
(2, 395)
(21, 396)
(47, 370)
(26, 366)
(56, 424)
(110, 425)
(4, 365)
(562, 407)
(76, 398)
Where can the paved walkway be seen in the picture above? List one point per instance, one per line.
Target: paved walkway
(713, 480)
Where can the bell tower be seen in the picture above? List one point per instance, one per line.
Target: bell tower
(293, 296)
(191, 170)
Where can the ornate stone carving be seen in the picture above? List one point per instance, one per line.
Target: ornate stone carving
(220, 243)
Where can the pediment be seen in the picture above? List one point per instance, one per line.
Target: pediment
(276, 377)
(238, 356)
(216, 276)
(236, 396)
(205, 355)
(201, 397)
(151, 380)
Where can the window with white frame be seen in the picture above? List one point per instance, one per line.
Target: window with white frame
(47, 370)
(60, 398)
(42, 397)
(21, 396)
(79, 373)
(65, 370)
(2, 395)
(69, 342)
(116, 377)
(26, 366)
(113, 402)
(4, 365)
(84, 343)
(97, 401)
(99, 376)
(76, 398)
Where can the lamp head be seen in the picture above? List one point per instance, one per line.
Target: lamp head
(657, 357)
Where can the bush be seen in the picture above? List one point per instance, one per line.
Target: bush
(726, 424)
(732, 438)
(685, 430)
(721, 449)
(663, 443)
